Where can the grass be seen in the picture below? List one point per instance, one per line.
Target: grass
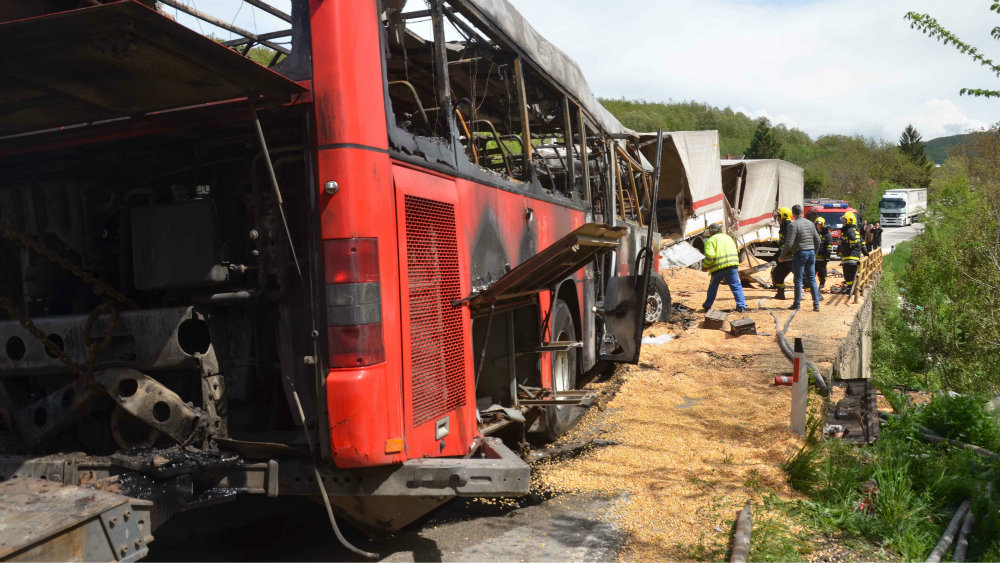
(901, 492)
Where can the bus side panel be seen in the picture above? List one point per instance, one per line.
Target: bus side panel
(347, 73)
(365, 404)
(438, 397)
(505, 229)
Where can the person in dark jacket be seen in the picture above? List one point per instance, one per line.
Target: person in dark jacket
(781, 268)
(851, 249)
(800, 244)
(825, 250)
(878, 235)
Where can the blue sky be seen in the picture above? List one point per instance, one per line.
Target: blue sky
(828, 66)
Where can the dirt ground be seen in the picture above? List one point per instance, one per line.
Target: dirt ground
(698, 426)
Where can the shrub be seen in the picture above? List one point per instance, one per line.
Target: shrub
(964, 418)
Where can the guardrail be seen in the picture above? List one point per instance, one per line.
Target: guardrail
(869, 268)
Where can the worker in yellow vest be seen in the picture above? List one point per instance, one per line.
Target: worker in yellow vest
(721, 260)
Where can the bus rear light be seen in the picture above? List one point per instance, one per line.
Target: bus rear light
(355, 346)
(353, 303)
(351, 260)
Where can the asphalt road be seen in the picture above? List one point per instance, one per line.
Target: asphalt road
(892, 236)
(562, 528)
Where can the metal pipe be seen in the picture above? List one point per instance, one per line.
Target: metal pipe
(270, 9)
(962, 545)
(178, 4)
(416, 98)
(949, 534)
(274, 183)
(261, 37)
(486, 342)
(319, 482)
(741, 535)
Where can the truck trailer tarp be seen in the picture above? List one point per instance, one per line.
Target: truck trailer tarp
(690, 195)
(757, 187)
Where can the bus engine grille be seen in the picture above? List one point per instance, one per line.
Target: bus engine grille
(437, 354)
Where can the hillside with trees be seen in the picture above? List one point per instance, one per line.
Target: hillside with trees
(937, 149)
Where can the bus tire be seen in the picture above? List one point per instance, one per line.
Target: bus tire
(657, 300)
(564, 370)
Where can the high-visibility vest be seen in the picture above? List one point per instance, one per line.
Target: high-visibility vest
(720, 252)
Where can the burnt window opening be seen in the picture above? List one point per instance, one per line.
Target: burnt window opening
(634, 184)
(552, 158)
(593, 172)
(451, 78)
(483, 82)
(272, 33)
(410, 65)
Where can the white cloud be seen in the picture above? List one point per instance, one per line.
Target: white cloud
(936, 118)
(824, 66)
(830, 66)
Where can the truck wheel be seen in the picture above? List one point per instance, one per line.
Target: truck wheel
(699, 244)
(564, 367)
(657, 300)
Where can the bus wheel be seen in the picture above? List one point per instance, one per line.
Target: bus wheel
(657, 300)
(564, 366)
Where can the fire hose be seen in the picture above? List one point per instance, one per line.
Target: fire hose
(786, 349)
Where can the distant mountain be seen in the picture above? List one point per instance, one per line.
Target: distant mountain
(937, 149)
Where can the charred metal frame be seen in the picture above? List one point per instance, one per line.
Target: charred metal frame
(445, 157)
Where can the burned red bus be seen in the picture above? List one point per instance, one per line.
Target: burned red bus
(335, 274)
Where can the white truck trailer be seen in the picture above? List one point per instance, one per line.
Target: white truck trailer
(755, 189)
(900, 208)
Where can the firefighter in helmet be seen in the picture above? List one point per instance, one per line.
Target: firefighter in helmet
(782, 268)
(825, 251)
(851, 249)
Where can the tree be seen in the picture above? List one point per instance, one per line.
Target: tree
(764, 144)
(911, 144)
(930, 27)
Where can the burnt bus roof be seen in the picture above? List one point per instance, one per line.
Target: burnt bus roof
(547, 57)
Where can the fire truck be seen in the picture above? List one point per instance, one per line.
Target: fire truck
(338, 274)
(832, 210)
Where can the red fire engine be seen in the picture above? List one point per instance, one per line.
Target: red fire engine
(338, 274)
(832, 210)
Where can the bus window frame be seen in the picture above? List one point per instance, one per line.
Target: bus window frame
(445, 154)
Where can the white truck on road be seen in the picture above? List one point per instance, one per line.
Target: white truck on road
(900, 208)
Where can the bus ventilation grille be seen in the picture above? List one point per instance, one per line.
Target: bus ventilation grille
(437, 354)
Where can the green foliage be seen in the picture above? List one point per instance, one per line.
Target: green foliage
(912, 145)
(937, 149)
(930, 27)
(945, 332)
(963, 418)
(919, 485)
(896, 360)
(772, 541)
(764, 144)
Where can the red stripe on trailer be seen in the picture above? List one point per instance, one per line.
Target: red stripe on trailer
(706, 201)
(755, 219)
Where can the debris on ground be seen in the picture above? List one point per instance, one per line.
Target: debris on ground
(699, 426)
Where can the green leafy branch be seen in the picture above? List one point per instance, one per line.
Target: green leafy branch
(931, 28)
